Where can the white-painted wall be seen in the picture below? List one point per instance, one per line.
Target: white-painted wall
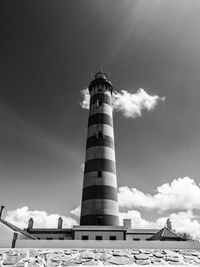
(140, 236)
(107, 244)
(22, 236)
(54, 236)
(105, 235)
(6, 236)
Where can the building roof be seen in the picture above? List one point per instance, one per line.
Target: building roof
(166, 233)
(98, 228)
(142, 231)
(49, 230)
(17, 229)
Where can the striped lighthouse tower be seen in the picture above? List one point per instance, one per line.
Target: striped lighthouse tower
(99, 197)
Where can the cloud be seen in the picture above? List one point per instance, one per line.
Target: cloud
(138, 222)
(184, 221)
(181, 194)
(82, 166)
(85, 103)
(20, 217)
(131, 105)
(76, 212)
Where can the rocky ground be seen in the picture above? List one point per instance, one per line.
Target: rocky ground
(88, 257)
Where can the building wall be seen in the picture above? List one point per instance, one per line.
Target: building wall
(137, 236)
(55, 235)
(22, 236)
(107, 244)
(6, 236)
(105, 235)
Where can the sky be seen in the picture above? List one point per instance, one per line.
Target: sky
(50, 51)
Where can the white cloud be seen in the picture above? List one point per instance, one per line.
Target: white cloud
(85, 103)
(131, 105)
(76, 212)
(184, 221)
(181, 194)
(138, 222)
(20, 217)
(82, 166)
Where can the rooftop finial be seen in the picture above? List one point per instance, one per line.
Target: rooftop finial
(101, 74)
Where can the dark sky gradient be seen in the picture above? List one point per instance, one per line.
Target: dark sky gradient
(49, 49)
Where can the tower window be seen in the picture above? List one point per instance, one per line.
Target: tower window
(99, 174)
(99, 135)
(98, 103)
(99, 237)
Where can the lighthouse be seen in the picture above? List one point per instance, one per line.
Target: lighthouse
(99, 195)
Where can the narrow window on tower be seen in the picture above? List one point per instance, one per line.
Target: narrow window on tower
(99, 174)
(99, 135)
(98, 103)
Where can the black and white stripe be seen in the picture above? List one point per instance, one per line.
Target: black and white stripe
(99, 197)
